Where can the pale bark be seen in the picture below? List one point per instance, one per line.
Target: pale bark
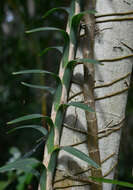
(110, 111)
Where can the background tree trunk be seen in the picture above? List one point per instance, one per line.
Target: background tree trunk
(112, 41)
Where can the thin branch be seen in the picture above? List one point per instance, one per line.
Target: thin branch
(131, 49)
(111, 155)
(115, 20)
(116, 59)
(112, 94)
(73, 96)
(74, 129)
(110, 170)
(114, 14)
(69, 186)
(113, 81)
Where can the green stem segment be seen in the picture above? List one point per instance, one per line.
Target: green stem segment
(58, 113)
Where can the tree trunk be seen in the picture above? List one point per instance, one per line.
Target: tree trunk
(113, 39)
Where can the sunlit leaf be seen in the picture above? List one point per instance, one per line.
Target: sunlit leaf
(67, 10)
(32, 116)
(37, 127)
(49, 89)
(26, 165)
(75, 152)
(112, 181)
(59, 48)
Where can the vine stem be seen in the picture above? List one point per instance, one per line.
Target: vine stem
(88, 92)
(63, 99)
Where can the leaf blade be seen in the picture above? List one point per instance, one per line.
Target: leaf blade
(56, 9)
(26, 165)
(59, 48)
(63, 32)
(49, 89)
(115, 182)
(82, 156)
(31, 116)
(37, 127)
(85, 60)
(80, 105)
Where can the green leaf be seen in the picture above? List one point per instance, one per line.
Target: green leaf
(63, 32)
(23, 181)
(79, 105)
(80, 155)
(43, 179)
(85, 60)
(53, 159)
(67, 74)
(57, 96)
(67, 10)
(26, 165)
(49, 89)
(75, 24)
(50, 141)
(32, 116)
(37, 71)
(59, 119)
(37, 127)
(59, 48)
(112, 181)
(16, 154)
(4, 184)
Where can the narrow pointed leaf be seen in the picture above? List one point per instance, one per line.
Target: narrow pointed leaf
(49, 89)
(37, 127)
(80, 105)
(56, 9)
(32, 116)
(37, 71)
(93, 61)
(63, 32)
(26, 165)
(75, 23)
(59, 48)
(116, 182)
(75, 152)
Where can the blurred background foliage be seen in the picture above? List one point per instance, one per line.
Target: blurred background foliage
(20, 51)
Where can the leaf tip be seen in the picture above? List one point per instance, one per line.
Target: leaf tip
(9, 122)
(27, 31)
(14, 73)
(23, 83)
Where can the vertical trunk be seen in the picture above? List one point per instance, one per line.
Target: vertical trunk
(110, 91)
(111, 110)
